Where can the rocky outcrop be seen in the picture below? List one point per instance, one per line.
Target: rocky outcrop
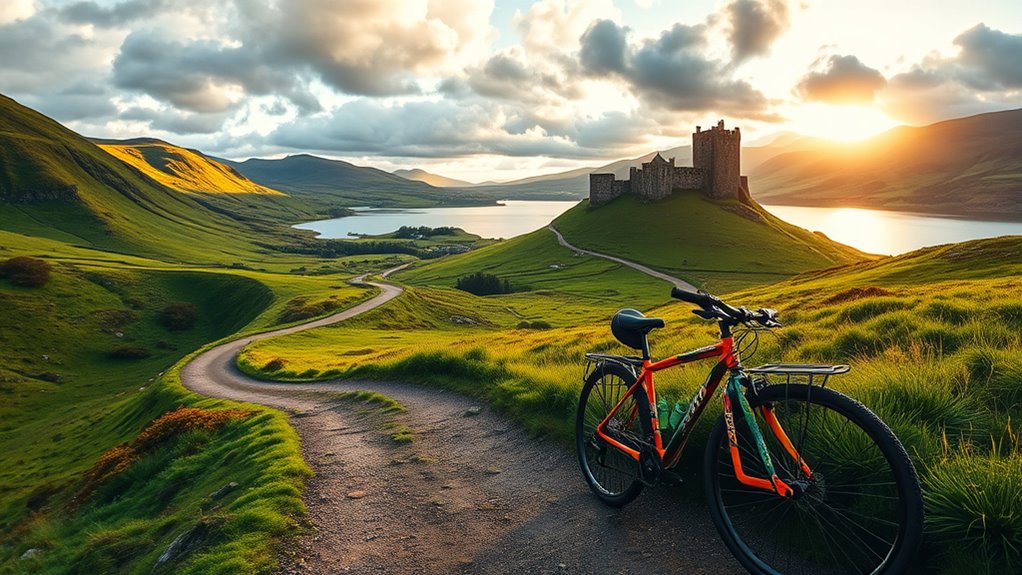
(58, 194)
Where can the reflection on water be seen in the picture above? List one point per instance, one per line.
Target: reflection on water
(890, 233)
(514, 218)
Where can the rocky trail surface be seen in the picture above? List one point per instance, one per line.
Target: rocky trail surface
(471, 493)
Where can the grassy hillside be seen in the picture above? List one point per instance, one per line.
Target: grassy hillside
(715, 245)
(180, 168)
(71, 396)
(933, 337)
(968, 166)
(435, 180)
(553, 283)
(334, 183)
(56, 184)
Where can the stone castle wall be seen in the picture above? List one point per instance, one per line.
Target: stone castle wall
(716, 161)
(601, 189)
(689, 178)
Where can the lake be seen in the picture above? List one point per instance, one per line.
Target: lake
(891, 233)
(514, 218)
(873, 231)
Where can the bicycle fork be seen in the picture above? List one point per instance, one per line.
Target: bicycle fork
(734, 393)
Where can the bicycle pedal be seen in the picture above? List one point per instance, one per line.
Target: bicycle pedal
(670, 478)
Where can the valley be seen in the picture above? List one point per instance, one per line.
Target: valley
(157, 254)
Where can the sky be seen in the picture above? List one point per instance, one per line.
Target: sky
(496, 90)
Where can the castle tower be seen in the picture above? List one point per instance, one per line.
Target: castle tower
(717, 152)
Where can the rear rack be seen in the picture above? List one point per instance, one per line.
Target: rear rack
(629, 362)
(800, 372)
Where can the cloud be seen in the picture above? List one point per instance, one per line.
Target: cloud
(753, 25)
(670, 72)
(445, 128)
(842, 80)
(109, 16)
(604, 46)
(990, 59)
(985, 75)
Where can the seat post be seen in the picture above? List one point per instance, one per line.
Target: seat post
(645, 347)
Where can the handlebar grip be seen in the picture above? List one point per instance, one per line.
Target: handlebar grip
(698, 298)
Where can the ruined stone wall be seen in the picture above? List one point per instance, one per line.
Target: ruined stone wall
(689, 178)
(622, 187)
(601, 189)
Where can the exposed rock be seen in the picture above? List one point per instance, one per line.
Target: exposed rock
(474, 410)
(60, 194)
(224, 490)
(186, 543)
(356, 494)
(462, 320)
(33, 552)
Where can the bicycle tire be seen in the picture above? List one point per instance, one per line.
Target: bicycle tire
(862, 512)
(611, 474)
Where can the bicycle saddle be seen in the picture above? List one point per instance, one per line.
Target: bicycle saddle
(630, 327)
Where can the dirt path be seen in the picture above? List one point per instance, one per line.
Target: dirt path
(648, 271)
(470, 493)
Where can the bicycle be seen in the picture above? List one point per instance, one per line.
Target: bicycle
(799, 478)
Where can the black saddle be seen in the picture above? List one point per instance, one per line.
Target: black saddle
(630, 327)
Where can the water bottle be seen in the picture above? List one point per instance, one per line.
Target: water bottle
(662, 414)
(677, 414)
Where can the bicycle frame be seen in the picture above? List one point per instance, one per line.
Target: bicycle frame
(644, 390)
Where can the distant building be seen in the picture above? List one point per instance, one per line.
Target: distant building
(716, 171)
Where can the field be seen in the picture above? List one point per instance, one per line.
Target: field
(933, 337)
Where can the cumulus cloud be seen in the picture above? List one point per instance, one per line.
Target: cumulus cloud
(985, 75)
(990, 59)
(672, 71)
(841, 80)
(753, 25)
(114, 15)
(445, 128)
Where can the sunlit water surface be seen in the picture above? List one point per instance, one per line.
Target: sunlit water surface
(514, 218)
(891, 233)
(873, 231)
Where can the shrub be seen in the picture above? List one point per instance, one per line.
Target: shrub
(298, 309)
(130, 352)
(273, 365)
(481, 283)
(533, 325)
(179, 316)
(26, 271)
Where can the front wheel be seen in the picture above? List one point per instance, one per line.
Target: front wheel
(611, 474)
(859, 512)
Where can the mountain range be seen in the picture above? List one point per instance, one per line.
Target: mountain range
(964, 167)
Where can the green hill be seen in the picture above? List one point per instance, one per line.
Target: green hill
(967, 166)
(715, 245)
(180, 168)
(335, 183)
(54, 183)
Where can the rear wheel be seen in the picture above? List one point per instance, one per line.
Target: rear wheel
(861, 511)
(611, 474)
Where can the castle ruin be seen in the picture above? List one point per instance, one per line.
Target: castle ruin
(716, 171)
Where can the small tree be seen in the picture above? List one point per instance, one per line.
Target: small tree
(481, 283)
(26, 271)
(179, 316)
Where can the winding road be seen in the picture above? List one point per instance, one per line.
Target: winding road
(648, 271)
(472, 493)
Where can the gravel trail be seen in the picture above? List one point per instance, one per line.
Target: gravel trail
(472, 493)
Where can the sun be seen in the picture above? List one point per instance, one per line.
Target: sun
(841, 123)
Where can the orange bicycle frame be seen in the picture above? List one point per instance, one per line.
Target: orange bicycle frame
(644, 390)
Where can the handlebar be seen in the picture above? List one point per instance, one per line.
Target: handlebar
(714, 308)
